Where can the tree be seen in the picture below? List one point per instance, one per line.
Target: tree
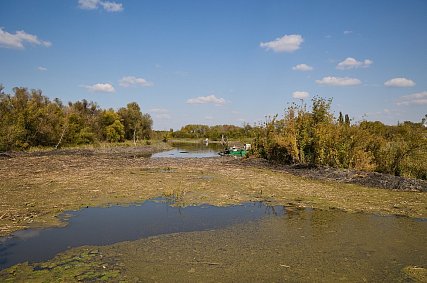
(340, 119)
(81, 123)
(347, 120)
(115, 132)
(137, 125)
(111, 127)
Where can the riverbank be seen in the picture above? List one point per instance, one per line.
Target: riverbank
(362, 178)
(37, 187)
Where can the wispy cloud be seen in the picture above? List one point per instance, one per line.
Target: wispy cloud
(346, 32)
(112, 6)
(419, 98)
(399, 82)
(160, 113)
(210, 99)
(286, 43)
(300, 94)
(338, 81)
(17, 40)
(351, 63)
(302, 68)
(134, 81)
(100, 87)
(42, 69)
(95, 4)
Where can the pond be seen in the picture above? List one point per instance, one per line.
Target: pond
(191, 150)
(108, 225)
(303, 244)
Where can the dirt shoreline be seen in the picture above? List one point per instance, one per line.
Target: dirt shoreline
(363, 178)
(367, 179)
(36, 187)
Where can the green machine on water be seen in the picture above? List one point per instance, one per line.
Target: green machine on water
(234, 151)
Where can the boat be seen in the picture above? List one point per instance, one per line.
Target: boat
(235, 151)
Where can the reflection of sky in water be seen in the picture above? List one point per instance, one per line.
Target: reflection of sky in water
(103, 226)
(190, 150)
(26, 234)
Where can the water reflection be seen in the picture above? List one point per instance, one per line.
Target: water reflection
(103, 226)
(191, 150)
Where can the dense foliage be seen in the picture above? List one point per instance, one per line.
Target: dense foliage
(28, 119)
(317, 137)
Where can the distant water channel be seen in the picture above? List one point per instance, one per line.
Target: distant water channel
(108, 225)
(191, 150)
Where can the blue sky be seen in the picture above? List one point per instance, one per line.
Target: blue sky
(221, 62)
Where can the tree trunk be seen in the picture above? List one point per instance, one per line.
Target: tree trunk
(60, 139)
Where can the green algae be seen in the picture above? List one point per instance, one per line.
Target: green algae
(82, 264)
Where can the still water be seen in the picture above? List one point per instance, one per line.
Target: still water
(108, 225)
(191, 150)
(311, 245)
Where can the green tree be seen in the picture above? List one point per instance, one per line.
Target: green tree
(115, 132)
(111, 128)
(146, 126)
(347, 120)
(137, 125)
(341, 119)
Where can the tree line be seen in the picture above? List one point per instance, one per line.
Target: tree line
(214, 132)
(30, 119)
(303, 136)
(316, 137)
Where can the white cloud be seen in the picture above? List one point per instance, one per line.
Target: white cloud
(351, 63)
(88, 4)
(42, 69)
(133, 81)
(399, 82)
(112, 6)
(338, 81)
(348, 32)
(95, 4)
(419, 98)
(300, 94)
(302, 68)
(100, 87)
(210, 99)
(18, 39)
(286, 43)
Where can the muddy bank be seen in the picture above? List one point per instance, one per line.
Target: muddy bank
(37, 187)
(367, 179)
